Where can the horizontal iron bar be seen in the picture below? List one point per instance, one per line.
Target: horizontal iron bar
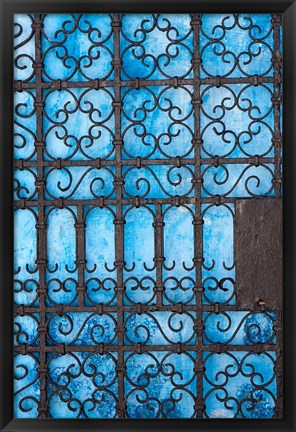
(130, 201)
(139, 348)
(215, 161)
(23, 85)
(101, 309)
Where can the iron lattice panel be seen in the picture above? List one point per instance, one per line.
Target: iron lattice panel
(134, 317)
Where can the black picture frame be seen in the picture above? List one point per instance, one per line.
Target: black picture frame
(8, 9)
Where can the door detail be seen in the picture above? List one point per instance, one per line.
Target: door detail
(148, 216)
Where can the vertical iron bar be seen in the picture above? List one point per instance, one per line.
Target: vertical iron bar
(80, 254)
(277, 136)
(119, 222)
(198, 247)
(159, 254)
(41, 228)
(277, 141)
(278, 366)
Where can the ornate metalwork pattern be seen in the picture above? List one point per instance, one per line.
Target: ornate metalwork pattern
(135, 138)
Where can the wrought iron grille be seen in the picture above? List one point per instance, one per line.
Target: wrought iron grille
(147, 154)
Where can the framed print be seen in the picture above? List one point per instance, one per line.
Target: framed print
(147, 216)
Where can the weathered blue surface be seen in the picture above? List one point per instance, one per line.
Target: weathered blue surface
(175, 369)
(87, 378)
(174, 59)
(90, 41)
(253, 48)
(233, 372)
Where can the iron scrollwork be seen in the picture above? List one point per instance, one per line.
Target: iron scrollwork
(129, 159)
